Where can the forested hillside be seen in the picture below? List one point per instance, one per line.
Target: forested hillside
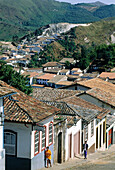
(95, 34)
(83, 43)
(27, 15)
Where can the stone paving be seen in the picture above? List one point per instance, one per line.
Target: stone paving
(96, 161)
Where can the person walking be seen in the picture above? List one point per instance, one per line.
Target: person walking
(48, 156)
(85, 147)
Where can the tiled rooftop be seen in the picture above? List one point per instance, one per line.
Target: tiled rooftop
(75, 69)
(50, 64)
(30, 74)
(26, 109)
(64, 71)
(6, 91)
(107, 75)
(102, 95)
(110, 119)
(46, 76)
(85, 109)
(98, 83)
(56, 79)
(65, 83)
(53, 94)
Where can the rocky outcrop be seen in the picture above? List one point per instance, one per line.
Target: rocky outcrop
(60, 28)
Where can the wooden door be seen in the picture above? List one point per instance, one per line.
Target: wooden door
(110, 137)
(97, 138)
(77, 143)
(70, 146)
(59, 147)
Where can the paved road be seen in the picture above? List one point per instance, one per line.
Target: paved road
(97, 161)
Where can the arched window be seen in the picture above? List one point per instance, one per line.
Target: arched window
(10, 142)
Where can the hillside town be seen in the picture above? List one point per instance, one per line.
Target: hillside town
(67, 106)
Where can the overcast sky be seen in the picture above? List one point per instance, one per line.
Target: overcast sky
(87, 1)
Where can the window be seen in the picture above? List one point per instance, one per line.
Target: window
(10, 143)
(92, 128)
(86, 132)
(50, 133)
(44, 138)
(36, 142)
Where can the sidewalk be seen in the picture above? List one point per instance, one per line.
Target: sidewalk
(98, 156)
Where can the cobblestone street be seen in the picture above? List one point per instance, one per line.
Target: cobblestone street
(96, 161)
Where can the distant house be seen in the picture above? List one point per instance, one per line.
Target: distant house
(52, 82)
(38, 70)
(75, 71)
(51, 65)
(63, 84)
(100, 98)
(43, 79)
(70, 60)
(28, 130)
(4, 92)
(108, 76)
(89, 75)
(30, 77)
(64, 72)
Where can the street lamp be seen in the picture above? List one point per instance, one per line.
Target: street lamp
(1, 119)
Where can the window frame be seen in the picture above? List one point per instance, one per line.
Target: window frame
(38, 143)
(15, 133)
(43, 148)
(92, 128)
(50, 143)
(86, 132)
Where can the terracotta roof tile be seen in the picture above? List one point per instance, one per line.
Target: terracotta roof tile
(66, 83)
(107, 75)
(49, 94)
(46, 76)
(98, 83)
(26, 109)
(6, 91)
(102, 95)
(85, 109)
(50, 64)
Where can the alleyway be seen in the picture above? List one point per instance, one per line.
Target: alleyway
(96, 161)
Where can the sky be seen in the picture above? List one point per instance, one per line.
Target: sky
(87, 1)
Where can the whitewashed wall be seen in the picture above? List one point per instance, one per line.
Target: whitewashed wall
(73, 130)
(23, 138)
(46, 123)
(98, 125)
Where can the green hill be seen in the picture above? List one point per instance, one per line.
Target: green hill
(91, 6)
(105, 11)
(32, 14)
(96, 34)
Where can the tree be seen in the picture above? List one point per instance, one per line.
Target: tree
(15, 79)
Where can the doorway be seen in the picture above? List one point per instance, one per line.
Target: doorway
(77, 143)
(70, 146)
(59, 147)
